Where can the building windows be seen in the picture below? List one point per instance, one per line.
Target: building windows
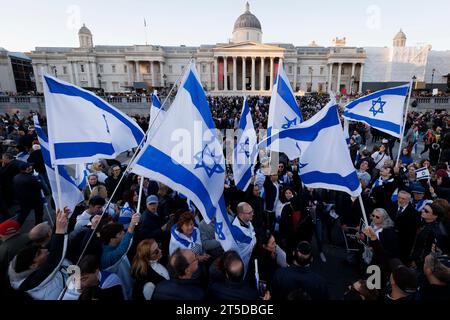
(115, 86)
(203, 68)
(290, 69)
(64, 69)
(170, 69)
(100, 67)
(321, 70)
(113, 67)
(148, 68)
(298, 70)
(320, 87)
(125, 68)
(82, 67)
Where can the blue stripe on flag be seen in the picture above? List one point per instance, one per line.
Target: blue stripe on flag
(199, 100)
(310, 133)
(374, 122)
(156, 102)
(245, 112)
(245, 178)
(286, 95)
(350, 181)
(399, 91)
(82, 149)
(155, 160)
(56, 87)
(41, 133)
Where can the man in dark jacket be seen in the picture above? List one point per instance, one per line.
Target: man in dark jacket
(151, 222)
(111, 183)
(10, 168)
(407, 222)
(272, 191)
(182, 265)
(28, 194)
(253, 198)
(233, 287)
(299, 275)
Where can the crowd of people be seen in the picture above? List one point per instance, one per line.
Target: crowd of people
(166, 251)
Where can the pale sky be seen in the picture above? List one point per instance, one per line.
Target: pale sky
(26, 24)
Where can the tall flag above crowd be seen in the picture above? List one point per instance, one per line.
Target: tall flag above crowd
(70, 194)
(320, 145)
(284, 112)
(245, 150)
(186, 155)
(382, 110)
(82, 127)
(157, 114)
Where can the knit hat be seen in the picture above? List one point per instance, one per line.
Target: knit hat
(404, 277)
(9, 227)
(441, 173)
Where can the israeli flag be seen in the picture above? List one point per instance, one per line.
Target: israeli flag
(346, 131)
(157, 114)
(70, 194)
(81, 175)
(382, 110)
(82, 127)
(284, 112)
(186, 155)
(422, 174)
(245, 151)
(324, 158)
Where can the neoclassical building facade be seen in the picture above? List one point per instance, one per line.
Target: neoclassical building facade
(245, 65)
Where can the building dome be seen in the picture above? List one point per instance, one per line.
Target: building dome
(400, 35)
(400, 39)
(247, 20)
(84, 30)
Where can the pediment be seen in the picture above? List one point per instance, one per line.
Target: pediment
(248, 46)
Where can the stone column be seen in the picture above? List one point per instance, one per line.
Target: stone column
(338, 85)
(253, 74)
(216, 73)
(130, 70)
(88, 71)
(94, 73)
(152, 71)
(234, 74)
(225, 71)
(330, 76)
(352, 76)
(161, 73)
(295, 77)
(72, 78)
(75, 68)
(271, 73)
(261, 75)
(138, 71)
(361, 78)
(243, 74)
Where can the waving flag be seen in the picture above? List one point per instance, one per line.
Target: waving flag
(186, 155)
(324, 158)
(245, 151)
(82, 127)
(157, 114)
(81, 175)
(382, 110)
(70, 194)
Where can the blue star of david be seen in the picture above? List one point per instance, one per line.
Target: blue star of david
(302, 165)
(380, 109)
(289, 123)
(218, 229)
(243, 147)
(208, 161)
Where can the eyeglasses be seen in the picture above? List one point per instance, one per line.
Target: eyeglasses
(250, 212)
(374, 216)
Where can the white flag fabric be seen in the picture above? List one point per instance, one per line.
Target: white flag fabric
(422, 174)
(157, 114)
(82, 127)
(324, 158)
(70, 194)
(81, 175)
(245, 151)
(186, 155)
(382, 110)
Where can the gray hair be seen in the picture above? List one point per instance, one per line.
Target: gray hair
(406, 193)
(387, 221)
(40, 232)
(240, 207)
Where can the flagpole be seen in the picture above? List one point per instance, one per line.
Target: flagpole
(363, 210)
(141, 186)
(58, 187)
(404, 120)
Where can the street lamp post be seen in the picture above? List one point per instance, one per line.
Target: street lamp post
(351, 85)
(311, 73)
(414, 78)
(55, 71)
(432, 78)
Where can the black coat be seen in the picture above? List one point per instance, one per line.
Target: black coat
(270, 194)
(111, 185)
(7, 174)
(257, 204)
(291, 235)
(390, 241)
(295, 277)
(38, 161)
(175, 289)
(150, 227)
(228, 290)
(426, 237)
(407, 224)
(27, 190)
(140, 281)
